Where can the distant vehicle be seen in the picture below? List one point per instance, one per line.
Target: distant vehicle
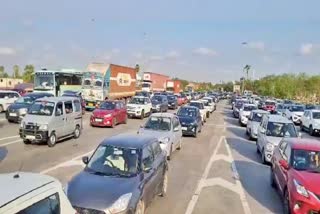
(295, 172)
(172, 102)
(143, 94)
(123, 175)
(190, 120)
(310, 107)
(167, 129)
(279, 109)
(294, 113)
(269, 105)
(207, 107)
(25, 193)
(16, 111)
(271, 131)
(57, 81)
(103, 81)
(139, 107)
(253, 123)
(211, 103)
(180, 100)
(159, 103)
(173, 86)
(78, 95)
(201, 108)
(154, 82)
(7, 98)
(52, 119)
(244, 113)
(237, 106)
(109, 113)
(310, 121)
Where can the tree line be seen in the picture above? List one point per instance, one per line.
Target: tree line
(26, 75)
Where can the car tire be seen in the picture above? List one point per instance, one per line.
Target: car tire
(169, 156)
(257, 150)
(263, 158)
(142, 115)
(286, 204)
(311, 132)
(164, 185)
(1, 108)
(26, 142)
(180, 145)
(114, 122)
(52, 140)
(301, 127)
(125, 120)
(77, 132)
(195, 134)
(140, 208)
(272, 180)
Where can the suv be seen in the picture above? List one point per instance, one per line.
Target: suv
(7, 98)
(244, 113)
(201, 108)
(51, 119)
(159, 103)
(311, 121)
(271, 131)
(294, 113)
(253, 123)
(295, 172)
(139, 106)
(32, 193)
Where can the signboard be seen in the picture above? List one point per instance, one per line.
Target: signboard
(170, 84)
(124, 79)
(146, 77)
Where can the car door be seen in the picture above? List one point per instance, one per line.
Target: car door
(177, 133)
(123, 112)
(69, 119)
(158, 164)
(283, 173)
(149, 105)
(117, 113)
(261, 133)
(308, 119)
(59, 120)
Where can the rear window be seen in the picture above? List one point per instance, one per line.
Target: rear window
(50, 205)
(270, 103)
(249, 108)
(297, 108)
(316, 115)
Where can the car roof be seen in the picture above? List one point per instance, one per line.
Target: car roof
(249, 104)
(278, 119)
(195, 101)
(140, 97)
(259, 111)
(186, 106)
(6, 91)
(37, 94)
(14, 187)
(57, 99)
(170, 115)
(129, 140)
(304, 143)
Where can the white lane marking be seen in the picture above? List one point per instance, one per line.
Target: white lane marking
(5, 138)
(6, 144)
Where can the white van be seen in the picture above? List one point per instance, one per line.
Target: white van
(32, 193)
(52, 119)
(7, 98)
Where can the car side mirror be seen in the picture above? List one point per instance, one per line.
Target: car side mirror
(284, 164)
(85, 160)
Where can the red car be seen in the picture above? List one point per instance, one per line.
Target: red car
(180, 100)
(269, 106)
(109, 113)
(295, 172)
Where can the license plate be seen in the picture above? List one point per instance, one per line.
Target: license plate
(184, 128)
(98, 120)
(30, 137)
(12, 114)
(90, 104)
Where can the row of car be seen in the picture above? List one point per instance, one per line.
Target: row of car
(294, 162)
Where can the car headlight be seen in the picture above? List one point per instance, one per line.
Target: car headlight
(269, 146)
(120, 204)
(165, 140)
(107, 115)
(300, 188)
(23, 111)
(43, 127)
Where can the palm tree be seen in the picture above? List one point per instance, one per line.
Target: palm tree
(246, 70)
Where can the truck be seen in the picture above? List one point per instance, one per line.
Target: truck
(173, 86)
(103, 81)
(154, 82)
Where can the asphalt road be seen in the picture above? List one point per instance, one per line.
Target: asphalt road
(218, 172)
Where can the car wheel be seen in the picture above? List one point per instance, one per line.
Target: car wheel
(125, 120)
(180, 145)
(170, 152)
(26, 142)
(77, 132)
(142, 115)
(301, 127)
(1, 108)
(140, 207)
(200, 129)
(164, 184)
(311, 132)
(195, 134)
(286, 204)
(272, 181)
(258, 151)
(263, 158)
(52, 140)
(114, 122)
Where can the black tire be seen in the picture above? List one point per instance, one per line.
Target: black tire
(142, 115)
(169, 156)
(286, 204)
(195, 134)
(301, 127)
(125, 120)
(77, 132)
(114, 122)
(311, 132)
(140, 208)
(52, 140)
(258, 151)
(180, 145)
(164, 186)
(272, 181)
(263, 158)
(1, 108)
(26, 142)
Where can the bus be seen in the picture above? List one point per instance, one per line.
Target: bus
(57, 81)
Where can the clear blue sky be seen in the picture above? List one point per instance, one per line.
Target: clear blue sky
(192, 39)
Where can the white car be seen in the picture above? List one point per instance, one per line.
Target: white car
(206, 107)
(211, 102)
(311, 121)
(253, 123)
(7, 98)
(139, 107)
(32, 193)
(294, 113)
(201, 108)
(244, 113)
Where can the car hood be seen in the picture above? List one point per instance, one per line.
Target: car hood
(309, 180)
(101, 112)
(36, 119)
(274, 140)
(16, 106)
(157, 134)
(186, 120)
(155, 102)
(299, 113)
(130, 105)
(87, 190)
(254, 126)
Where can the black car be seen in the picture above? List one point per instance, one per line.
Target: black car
(123, 175)
(172, 102)
(190, 120)
(20, 107)
(159, 103)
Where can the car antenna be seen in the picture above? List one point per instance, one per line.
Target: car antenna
(17, 174)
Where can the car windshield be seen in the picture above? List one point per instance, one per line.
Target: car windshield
(25, 100)
(171, 98)
(109, 160)
(41, 108)
(209, 100)
(268, 103)
(137, 100)
(107, 105)
(316, 115)
(310, 107)
(157, 98)
(198, 105)
(257, 117)
(158, 123)
(187, 112)
(281, 130)
(239, 104)
(306, 160)
(249, 108)
(297, 108)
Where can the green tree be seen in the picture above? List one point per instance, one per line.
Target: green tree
(2, 71)
(28, 74)
(16, 72)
